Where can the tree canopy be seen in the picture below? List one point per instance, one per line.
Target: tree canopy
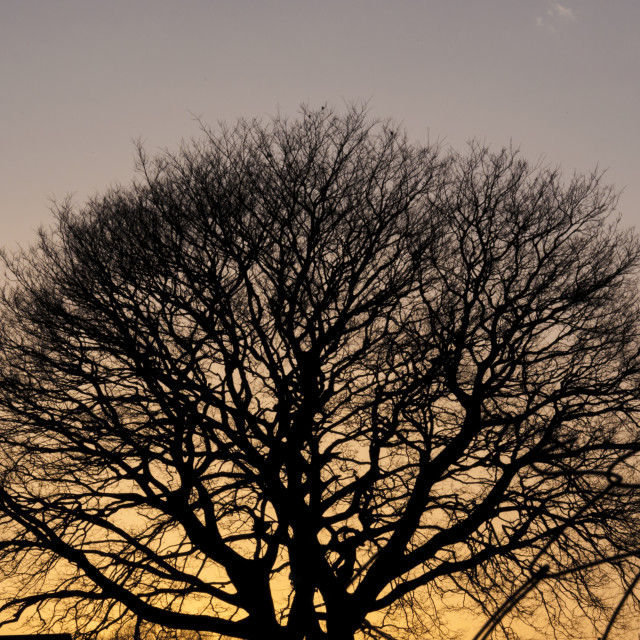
(307, 379)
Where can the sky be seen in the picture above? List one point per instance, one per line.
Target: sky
(80, 80)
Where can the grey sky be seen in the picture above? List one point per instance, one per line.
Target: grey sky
(79, 79)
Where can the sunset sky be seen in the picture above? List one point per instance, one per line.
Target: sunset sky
(81, 79)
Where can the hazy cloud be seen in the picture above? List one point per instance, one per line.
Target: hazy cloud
(555, 13)
(560, 11)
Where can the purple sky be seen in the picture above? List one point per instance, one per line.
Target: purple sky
(80, 79)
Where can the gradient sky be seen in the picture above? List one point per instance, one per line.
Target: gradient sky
(80, 79)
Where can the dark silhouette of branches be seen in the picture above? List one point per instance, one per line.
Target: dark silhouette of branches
(305, 377)
(542, 572)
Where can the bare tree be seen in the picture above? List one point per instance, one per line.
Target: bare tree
(306, 379)
(138, 631)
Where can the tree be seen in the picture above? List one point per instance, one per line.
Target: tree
(307, 379)
(138, 631)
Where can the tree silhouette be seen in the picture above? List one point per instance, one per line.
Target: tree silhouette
(305, 379)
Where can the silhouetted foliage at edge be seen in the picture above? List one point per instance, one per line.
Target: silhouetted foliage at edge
(306, 379)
